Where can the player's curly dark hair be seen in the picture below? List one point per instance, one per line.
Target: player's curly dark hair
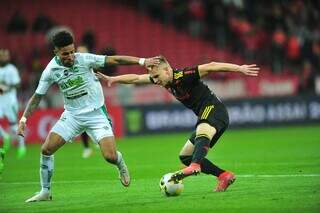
(62, 38)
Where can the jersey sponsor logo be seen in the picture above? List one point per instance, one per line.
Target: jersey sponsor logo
(206, 112)
(72, 83)
(76, 95)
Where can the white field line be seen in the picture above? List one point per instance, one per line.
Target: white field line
(101, 181)
(278, 176)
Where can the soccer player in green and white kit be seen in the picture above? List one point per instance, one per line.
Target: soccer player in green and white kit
(9, 105)
(83, 103)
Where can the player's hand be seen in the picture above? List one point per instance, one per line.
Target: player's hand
(154, 61)
(21, 128)
(252, 69)
(105, 78)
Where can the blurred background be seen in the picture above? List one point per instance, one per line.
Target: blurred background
(282, 37)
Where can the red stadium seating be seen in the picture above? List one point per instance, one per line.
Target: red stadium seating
(128, 31)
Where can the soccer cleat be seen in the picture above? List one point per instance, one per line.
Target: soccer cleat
(124, 175)
(87, 152)
(40, 196)
(192, 169)
(6, 142)
(1, 160)
(224, 181)
(21, 152)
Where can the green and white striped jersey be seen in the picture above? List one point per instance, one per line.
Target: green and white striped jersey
(82, 91)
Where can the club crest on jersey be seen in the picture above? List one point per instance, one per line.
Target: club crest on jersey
(66, 73)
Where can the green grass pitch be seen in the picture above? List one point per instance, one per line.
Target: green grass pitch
(278, 170)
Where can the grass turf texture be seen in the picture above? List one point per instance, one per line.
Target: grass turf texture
(278, 171)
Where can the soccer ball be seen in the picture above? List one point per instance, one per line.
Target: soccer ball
(170, 188)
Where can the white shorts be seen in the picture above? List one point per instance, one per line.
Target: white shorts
(10, 111)
(96, 124)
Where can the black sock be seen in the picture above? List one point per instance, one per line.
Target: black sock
(201, 148)
(185, 159)
(207, 167)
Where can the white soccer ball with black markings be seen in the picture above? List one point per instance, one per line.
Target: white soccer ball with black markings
(170, 188)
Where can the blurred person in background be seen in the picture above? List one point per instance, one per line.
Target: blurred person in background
(213, 119)
(42, 23)
(9, 105)
(17, 23)
(89, 40)
(84, 106)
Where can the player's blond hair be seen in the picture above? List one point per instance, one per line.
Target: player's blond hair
(163, 63)
(162, 59)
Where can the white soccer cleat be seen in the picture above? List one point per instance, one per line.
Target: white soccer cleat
(87, 152)
(124, 175)
(40, 196)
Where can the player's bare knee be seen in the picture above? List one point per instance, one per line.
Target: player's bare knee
(187, 149)
(206, 130)
(46, 151)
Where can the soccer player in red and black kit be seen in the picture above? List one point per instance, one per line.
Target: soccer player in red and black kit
(213, 120)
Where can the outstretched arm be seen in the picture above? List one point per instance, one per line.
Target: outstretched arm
(131, 60)
(125, 79)
(252, 69)
(31, 107)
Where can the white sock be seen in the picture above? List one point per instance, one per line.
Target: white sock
(46, 172)
(13, 130)
(21, 141)
(119, 158)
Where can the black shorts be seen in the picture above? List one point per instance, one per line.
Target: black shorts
(217, 116)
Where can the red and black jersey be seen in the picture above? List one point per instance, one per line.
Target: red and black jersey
(187, 87)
